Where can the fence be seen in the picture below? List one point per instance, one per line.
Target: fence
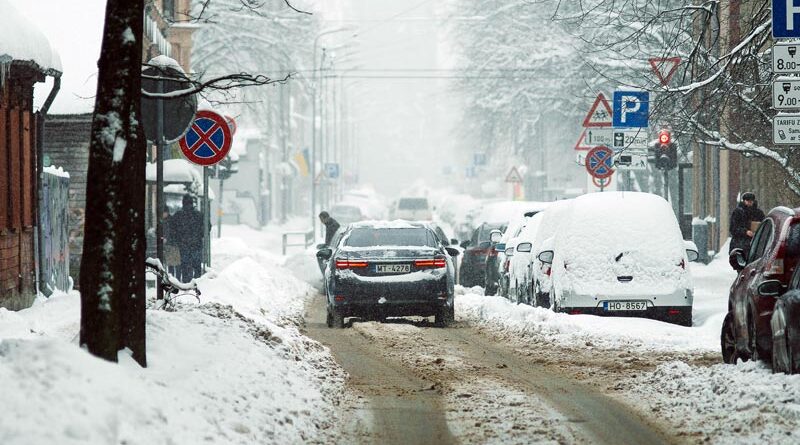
(54, 225)
(308, 239)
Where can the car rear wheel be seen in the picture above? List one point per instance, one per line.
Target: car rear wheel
(728, 340)
(335, 319)
(444, 316)
(781, 355)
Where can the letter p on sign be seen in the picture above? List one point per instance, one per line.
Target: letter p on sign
(784, 14)
(631, 109)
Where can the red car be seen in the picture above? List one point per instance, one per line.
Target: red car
(764, 273)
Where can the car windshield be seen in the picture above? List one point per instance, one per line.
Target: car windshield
(413, 204)
(368, 237)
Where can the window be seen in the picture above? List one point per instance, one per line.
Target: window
(169, 9)
(413, 204)
(368, 237)
(760, 240)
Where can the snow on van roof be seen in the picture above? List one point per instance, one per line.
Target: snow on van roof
(21, 40)
(507, 211)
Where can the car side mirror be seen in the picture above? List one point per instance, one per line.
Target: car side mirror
(692, 255)
(325, 253)
(770, 288)
(464, 244)
(509, 251)
(546, 256)
(452, 252)
(737, 260)
(524, 247)
(495, 236)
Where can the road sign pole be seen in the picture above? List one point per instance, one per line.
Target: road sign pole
(219, 208)
(206, 219)
(160, 185)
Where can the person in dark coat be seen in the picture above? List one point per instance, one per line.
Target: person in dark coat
(743, 215)
(331, 226)
(187, 230)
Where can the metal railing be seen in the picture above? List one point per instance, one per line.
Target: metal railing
(308, 239)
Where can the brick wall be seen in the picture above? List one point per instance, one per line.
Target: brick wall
(66, 143)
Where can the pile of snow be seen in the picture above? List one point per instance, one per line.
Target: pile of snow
(722, 403)
(505, 211)
(234, 369)
(21, 40)
(56, 171)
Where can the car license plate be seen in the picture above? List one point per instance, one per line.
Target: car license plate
(625, 305)
(392, 268)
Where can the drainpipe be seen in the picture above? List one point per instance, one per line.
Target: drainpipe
(40, 119)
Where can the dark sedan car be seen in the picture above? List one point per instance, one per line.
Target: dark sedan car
(388, 269)
(473, 265)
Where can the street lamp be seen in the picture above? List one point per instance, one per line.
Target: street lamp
(314, 124)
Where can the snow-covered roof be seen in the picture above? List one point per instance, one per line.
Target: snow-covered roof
(176, 170)
(163, 61)
(21, 40)
(56, 171)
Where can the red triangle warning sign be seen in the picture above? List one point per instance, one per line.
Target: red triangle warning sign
(665, 68)
(600, 114)
(513, 175)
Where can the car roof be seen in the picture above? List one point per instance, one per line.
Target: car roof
(382, 224)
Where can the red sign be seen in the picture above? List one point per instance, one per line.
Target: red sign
(600, 162)
(601, 183)
(659, 65)
(231, 124)
(208, 140)
(600, 114)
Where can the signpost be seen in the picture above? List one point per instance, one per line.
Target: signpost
(659, 63)
(785, 59)
(592, 137)
(630, 139)
(208, 140)
(515, 178)
(786, 93)
(785, 19)
(332, 170)
(786, 129)
(596, 125)
(631, 109)
(600, 165)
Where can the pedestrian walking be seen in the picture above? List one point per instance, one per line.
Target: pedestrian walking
(331, 226)
(742, 225)
(187, 229)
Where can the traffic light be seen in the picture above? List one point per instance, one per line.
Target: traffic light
(225, 168)
(665, 151)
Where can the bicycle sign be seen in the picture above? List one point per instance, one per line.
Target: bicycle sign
(600, 162)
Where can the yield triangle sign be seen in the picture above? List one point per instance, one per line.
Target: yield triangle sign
(665, 68)
(513, 175)
(600, 114)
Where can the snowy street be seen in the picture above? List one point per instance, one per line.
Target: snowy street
(467, 222)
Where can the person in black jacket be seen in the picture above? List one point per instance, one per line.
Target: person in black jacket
(187, 233)
(331, 226)
(743, 215)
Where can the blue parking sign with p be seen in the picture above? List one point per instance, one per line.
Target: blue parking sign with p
(332, 170)
(785, 18)
(631, 109)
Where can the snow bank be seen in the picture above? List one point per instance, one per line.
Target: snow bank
(56, 171)
(234, 369)
(510, 319)
(723, 404)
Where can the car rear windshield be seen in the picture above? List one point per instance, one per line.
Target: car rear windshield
(368, 237)
(413, 204)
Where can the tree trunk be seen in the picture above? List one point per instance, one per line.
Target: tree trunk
(112, 268)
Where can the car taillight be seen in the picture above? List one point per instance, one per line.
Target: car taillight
(350, 264)
(776, 268)
(434, 263)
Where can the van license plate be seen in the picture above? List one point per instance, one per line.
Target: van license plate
(392, 268)
(625, 305)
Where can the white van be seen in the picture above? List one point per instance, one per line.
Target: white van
(621, 253)
(412, 209)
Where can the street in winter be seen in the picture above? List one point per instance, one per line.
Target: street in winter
(399, 222)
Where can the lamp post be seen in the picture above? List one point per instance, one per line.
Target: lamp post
(313, 159)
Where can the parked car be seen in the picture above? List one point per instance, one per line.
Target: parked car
(540, 284)
(473, 263)
(785, 326)
(519, 268)
(622, 253)
(497, 262)
(764, 271)
(412, 209)
(388, 269)
(346, 213)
